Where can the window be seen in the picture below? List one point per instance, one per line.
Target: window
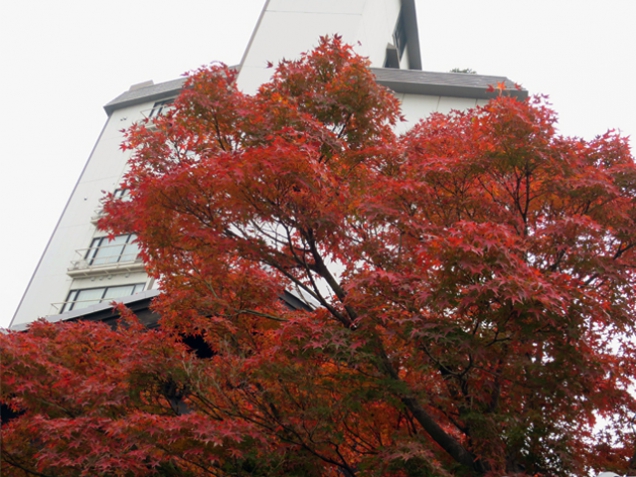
(83, 298)
(122, 194)
(395, 51)
(399, 35)
(118, 250)
(160, 107)
(118, 194)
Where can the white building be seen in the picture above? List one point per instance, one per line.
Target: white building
(81, 270)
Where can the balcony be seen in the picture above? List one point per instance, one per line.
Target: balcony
(86, 297)
(107, 257)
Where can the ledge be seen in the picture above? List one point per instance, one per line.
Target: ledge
(458, 85)
(108, 269)
(145, 94)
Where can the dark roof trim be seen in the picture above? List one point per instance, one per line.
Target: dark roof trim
(131, 302)
(102, 311)
(458, 85)
(140, 305)
(155, 92)
(138, 94)
(409, 16)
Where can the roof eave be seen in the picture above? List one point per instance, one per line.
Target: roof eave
(456, 85)
(155, 92)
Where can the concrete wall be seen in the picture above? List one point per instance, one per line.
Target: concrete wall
(416, 107)
(289, 27)
(103, 171)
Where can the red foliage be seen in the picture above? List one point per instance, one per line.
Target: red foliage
(474, 281)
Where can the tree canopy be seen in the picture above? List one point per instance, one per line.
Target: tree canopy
(472, 283)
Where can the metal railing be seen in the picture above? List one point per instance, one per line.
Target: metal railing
(114, 258)
(106, 297)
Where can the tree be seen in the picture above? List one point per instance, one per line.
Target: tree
(473, 282)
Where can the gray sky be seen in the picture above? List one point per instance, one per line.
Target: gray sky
(62, 61)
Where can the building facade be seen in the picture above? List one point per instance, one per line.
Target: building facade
(81, 270)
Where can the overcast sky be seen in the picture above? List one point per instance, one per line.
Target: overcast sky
(61, 61)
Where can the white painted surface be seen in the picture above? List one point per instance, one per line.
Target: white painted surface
(50, 283)
(416, 107)
(289, 27)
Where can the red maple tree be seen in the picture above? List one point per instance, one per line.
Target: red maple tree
(473, 283)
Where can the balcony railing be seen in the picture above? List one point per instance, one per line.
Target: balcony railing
(113, 258)
(83, 298)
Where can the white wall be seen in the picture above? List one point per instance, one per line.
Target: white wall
(103, 171)
(416, 107)
(289, 27)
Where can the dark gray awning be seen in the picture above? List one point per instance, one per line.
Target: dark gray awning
(458, 85)
(145, 94)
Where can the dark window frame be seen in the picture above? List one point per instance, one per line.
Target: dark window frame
(99, 243)
(399, 35)
(72, 301)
